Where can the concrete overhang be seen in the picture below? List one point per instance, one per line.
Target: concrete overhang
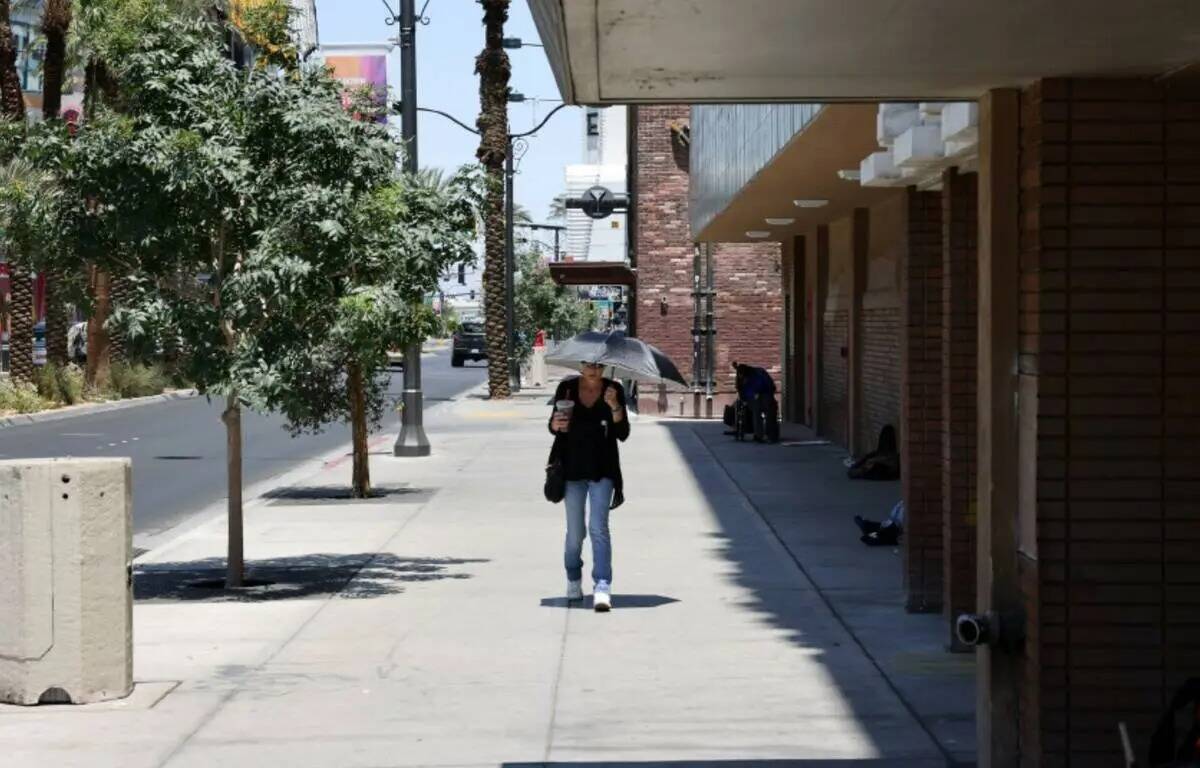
(709, 51)
(805, 170)
(592, 273)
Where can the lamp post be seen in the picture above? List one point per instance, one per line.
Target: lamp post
(412, 441)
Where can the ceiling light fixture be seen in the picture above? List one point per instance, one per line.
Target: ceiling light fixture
(810, 203)
(779, 222)
(850, 175)
(758, 234)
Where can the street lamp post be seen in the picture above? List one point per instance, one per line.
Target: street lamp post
(510, 267)
(412, 440)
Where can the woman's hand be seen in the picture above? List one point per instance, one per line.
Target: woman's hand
(614, 404)
(561, 422)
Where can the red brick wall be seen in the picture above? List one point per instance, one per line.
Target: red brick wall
(960, 324)
(921, 402)
(835, 394)
(748, 306)
(1110, 314)
(881, 373)
(663, 246)
(749, 309)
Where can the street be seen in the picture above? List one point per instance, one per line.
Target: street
(178, 448)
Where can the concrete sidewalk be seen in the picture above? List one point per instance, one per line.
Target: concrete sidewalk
(428, 628)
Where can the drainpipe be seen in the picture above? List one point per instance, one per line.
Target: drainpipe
(697, 330)
(710, 325)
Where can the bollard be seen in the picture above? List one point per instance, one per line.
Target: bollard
(66, 593)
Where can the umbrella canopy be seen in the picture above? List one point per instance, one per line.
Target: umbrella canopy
(628, 357)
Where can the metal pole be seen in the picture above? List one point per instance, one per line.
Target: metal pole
(556, 250)
(514, 368)
(412, 440)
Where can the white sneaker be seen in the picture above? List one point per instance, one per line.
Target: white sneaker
(601, 599)
(574, 590)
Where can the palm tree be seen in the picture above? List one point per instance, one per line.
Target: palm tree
(12, 100)
(433, 177)
(20, 338)
(558, 207)
(56, 22)
(20, 183)
(494, 70)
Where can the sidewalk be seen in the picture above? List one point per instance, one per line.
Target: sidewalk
(428, 628)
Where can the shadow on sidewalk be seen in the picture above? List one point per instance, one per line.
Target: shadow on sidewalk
(780, 763)
(620, 602)
(351, 576)
(803, 497)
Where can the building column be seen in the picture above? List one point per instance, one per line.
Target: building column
(921, 402)
(998, 671)
(1108, 484)
(858, 282)
(960, 290)
(818, 287)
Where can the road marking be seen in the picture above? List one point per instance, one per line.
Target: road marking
(82, 434)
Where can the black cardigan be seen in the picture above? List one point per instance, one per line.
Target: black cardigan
(568, 389)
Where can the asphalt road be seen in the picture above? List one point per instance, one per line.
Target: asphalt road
(178, 447)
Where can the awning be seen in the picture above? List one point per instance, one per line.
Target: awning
(704, 51)
(592, 273)
(805, 170)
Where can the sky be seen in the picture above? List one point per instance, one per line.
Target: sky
(446, 80)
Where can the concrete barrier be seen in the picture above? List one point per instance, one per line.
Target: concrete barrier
(66, 597)
(534, 374)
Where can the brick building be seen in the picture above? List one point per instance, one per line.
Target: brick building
(1019, 219)
(742, 319)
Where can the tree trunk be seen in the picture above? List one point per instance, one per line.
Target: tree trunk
(20, 341)
(235, 569)
(494, 69)
(119, 297)
(97, 335)
(358, 424)
(56, 21)
(57, 322)
(12, 99)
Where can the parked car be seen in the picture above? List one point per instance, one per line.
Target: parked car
(470, 343)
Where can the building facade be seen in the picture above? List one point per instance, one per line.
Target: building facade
(706, 303)
(1004, 258)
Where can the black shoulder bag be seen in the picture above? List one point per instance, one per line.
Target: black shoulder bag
(556, 476)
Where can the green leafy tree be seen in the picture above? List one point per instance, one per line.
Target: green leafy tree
(390, 248)
(542, 304)
(225, 198)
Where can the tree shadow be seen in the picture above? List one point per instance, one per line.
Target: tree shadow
(619, 602)
(351, 576)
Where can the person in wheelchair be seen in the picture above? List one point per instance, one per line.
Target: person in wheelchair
(756, 402)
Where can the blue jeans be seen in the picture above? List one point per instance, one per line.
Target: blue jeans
(600, 493)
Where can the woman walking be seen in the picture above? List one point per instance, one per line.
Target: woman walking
(589, 418)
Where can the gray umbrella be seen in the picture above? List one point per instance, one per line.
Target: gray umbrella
(628, 357)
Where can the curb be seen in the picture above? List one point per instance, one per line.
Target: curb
(72, 411)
